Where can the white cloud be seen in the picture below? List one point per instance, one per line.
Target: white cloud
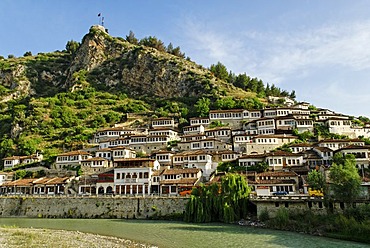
(278, 55)
(345, 45)
(326, 65)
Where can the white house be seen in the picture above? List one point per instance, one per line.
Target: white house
(134, 176)
(73, 158)
(173, 179)
(194, 159)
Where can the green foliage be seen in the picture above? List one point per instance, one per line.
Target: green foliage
(131, 38)
(264, 215)
(316, 180)
(281, 219)
(27, 54)
(7, 147)
(214, 124)
(360, 213)
(19, 174)
(306, 136)
(364, 119)
(225, 103)
(175, 51)
(220, 71)
(28, 145)
(259, 167)
(112, 117)
(233, 167)
(202, 107)
(154, 42)
(323, 131)
(344, 177)
(209, 203)
(249, 103)
(344, 226)
(72, 46)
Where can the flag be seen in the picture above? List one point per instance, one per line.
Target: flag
(99, 14)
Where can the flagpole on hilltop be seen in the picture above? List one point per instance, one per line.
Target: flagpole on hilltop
(100, 18)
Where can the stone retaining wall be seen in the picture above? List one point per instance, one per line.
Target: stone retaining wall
(91, 207)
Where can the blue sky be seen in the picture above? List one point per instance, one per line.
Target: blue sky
(321, 49)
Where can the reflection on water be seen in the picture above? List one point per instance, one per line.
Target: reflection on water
(177, 234)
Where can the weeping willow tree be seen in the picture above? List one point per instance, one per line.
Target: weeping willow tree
(226, 202)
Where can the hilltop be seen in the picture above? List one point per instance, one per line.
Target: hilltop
(55, 101)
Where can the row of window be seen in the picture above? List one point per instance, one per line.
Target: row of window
(266, 131)
(197, 122)
(190, 158)
(265, 123)
(162, 123)
(225, 115)
(132, 175)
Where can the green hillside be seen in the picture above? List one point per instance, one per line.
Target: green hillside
(52, 102)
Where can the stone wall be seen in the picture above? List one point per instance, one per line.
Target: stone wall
(91, 207)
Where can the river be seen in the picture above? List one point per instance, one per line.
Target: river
(166, 234)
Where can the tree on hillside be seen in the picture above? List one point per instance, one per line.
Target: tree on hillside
(225, 103)
(72, 46)
(154, 42)
(316, 180)
(29, 53)
(202, 107)
(6, 146)
(175, 51)
(220, 71)
(131, 38)
(344, 177)
(292, 95)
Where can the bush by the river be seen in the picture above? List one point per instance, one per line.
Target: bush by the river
(353, 224)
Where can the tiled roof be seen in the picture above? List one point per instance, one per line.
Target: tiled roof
(180, 171)
(301, 145)
(186, 181)
(121, 148)
(253, 156)
(276, 181)
(323, 149)
(282, 153)
(189, 153)
(277, 174)
(350, 147)
(217, 128)
(157, 172)
(276, 136)
(12, 158)
(162, 118)
(95, 159)
(199, 118)
(72, 153)
(339, 141)
(162, 129)
(227, 111)
(19, 182)
(133, 159)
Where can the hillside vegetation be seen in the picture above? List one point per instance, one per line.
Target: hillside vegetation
(53, 102)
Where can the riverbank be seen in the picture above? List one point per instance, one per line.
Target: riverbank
(174, 234)
(351, 225)
(14, 237)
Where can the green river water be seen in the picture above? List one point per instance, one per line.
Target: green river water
(178, 234)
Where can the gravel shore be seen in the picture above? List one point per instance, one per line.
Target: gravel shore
(11, 237)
